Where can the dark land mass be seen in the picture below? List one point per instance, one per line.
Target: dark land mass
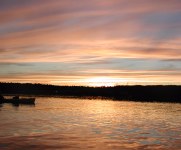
(149, 93)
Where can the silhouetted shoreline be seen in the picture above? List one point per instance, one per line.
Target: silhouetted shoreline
(148, 93)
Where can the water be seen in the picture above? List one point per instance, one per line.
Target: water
(64, 123)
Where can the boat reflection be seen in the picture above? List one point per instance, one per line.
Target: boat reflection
(17, 105)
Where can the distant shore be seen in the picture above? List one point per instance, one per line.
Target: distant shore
(148, 93)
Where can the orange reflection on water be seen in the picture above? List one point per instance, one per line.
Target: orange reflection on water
(56, 123)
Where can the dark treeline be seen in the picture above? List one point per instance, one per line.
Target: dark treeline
(167, 93)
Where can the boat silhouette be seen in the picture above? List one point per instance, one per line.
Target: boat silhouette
(17, 100)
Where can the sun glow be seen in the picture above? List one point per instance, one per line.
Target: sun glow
(102, 81)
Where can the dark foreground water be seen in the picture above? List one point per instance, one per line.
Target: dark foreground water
(62, 123)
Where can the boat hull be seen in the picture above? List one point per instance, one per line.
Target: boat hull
(20, 101)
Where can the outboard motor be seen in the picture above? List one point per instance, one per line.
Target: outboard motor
(1, 99)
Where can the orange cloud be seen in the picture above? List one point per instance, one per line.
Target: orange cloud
(92, 35)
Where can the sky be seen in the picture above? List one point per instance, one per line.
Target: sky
(90, 42)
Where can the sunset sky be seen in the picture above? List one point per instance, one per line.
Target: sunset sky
(90, 42)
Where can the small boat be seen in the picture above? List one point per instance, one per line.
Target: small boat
(17, 100)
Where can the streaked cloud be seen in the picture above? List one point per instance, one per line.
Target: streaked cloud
(67, 39)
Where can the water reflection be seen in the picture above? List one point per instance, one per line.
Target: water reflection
(18, 105)
(1, 106)
(57, 123)
(23, 105)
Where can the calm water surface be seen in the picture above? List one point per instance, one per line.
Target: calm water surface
(64, 123)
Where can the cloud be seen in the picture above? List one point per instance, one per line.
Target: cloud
(105, 35)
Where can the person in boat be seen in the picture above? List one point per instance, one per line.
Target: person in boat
(16, 97)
